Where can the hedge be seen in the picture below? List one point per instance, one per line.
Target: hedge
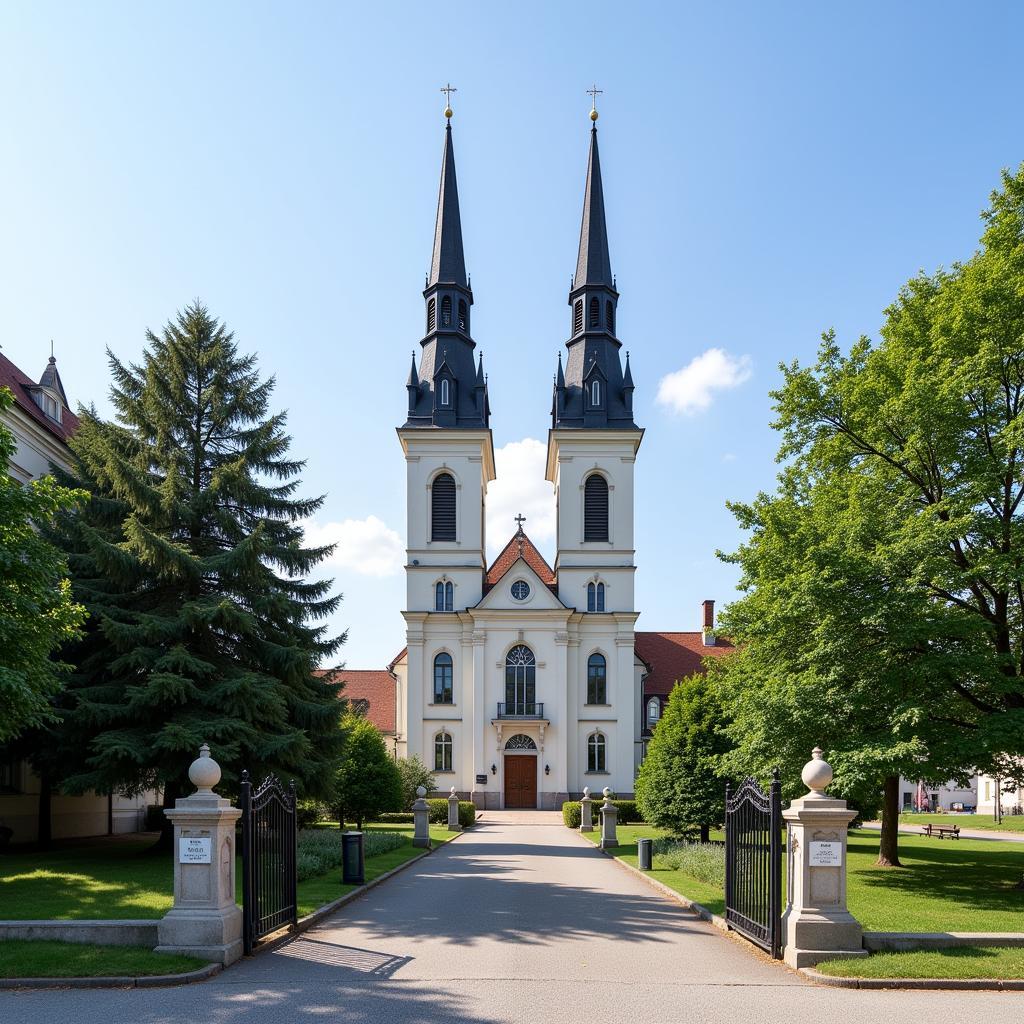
(439, 812)
(572, 813)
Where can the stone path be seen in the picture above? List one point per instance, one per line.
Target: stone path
(511, 922)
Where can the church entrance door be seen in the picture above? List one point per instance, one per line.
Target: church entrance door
(520, 780)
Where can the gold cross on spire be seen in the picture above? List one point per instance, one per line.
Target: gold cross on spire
(448, 89)
(593, 93)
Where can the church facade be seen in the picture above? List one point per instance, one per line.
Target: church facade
(520, 683)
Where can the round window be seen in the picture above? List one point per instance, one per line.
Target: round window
(520, 590)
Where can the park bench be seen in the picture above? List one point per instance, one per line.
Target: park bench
(942, 831)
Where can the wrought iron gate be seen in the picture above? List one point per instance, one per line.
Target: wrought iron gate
(753, 864)
(269, 880)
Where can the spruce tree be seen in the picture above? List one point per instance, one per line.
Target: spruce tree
(680, 786)
(190, 560)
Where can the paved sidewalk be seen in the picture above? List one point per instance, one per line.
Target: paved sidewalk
(510, 924)
(965, 833)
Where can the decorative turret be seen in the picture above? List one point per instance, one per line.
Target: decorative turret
(595, 393)
(447, 393)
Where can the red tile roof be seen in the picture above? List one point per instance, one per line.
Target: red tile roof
(519, 546)
(19, 383)
(670, 657)
(377, 688)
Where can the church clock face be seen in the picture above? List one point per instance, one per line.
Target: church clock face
(520, 590)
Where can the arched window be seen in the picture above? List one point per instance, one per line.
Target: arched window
(596, 753)
(444, 596)
(446, 311)
(595, 508)
(463, 315)
(609, 316)
(445, 392)
(595, 393)
(577, 317)
(591, 597)
(653, 712)
(600, 597)
(443, 752)
(595, 312)
(442, 508)
(443, 679)
(520, 742)
(431, 315)
(597, 680)
(520, 681)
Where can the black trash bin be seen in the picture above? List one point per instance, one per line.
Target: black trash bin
(645, 853)
(353, 864)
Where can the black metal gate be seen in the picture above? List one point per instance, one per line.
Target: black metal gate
(753, 864)
(269, 880)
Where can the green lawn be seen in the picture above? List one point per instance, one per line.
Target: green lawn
(966, 962)
(74, 960)
(982, 822)
(967, 885)
(123, 879)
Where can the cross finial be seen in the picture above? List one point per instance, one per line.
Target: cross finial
(448, 89)
(520, 519)
(593, 93)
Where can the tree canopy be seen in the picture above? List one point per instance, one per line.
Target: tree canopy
(883, 614)
(37, 612)
(367, 779)
(190, 559)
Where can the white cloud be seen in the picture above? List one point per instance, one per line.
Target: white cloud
(520, 488)
(729, 457)
(690, 390)
(366, 546)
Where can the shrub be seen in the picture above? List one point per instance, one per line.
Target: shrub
(319, 849)
(309, 812)
(439, 812)
(367, 779)
(395, 818)
(413, 773)
(703, 861)
(572, 812)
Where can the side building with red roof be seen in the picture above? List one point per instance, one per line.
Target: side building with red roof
(42, 424)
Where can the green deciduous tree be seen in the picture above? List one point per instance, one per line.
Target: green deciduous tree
(680, 786)
(414, 773)
(884, 613)
(190, 559)
(37, 612)
(367, 779)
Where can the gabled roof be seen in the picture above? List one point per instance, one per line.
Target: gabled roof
(670, 657)
(520, 546)
(22, 386)
(374, 686)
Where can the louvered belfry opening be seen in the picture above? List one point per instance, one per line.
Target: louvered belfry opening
(442, 508)
(446, 311)
(431, 315)
(577, 317)
(595, 508)
(594, 312)
(609, 316)
(463, 315)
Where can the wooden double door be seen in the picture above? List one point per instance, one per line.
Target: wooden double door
(520, 780)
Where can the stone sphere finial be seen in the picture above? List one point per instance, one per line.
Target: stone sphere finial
(606, 792)
(817, 773)
(204, 772)
(421, 791)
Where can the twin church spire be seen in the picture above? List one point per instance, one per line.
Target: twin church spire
(449, 388)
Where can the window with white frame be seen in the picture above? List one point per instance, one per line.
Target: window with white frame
(444, 596)
(653, 712)
(595, 597)
(443, 675)
(443, 752)
(444, 391)
(595, 392)
(596, 753)
(597, 680)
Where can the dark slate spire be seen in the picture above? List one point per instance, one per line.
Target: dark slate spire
(448, 265)
(449, 389)
(593, 265)
(593, 392)
(51, 379)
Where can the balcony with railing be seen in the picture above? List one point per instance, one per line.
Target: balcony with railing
(521, 709)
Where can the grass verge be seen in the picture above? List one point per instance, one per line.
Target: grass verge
(45, 959)
(961, 962)
(981, 822)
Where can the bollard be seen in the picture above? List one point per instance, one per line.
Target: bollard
(421, 819)
(645, 854)
(353, 861)
(453, 812)
(586, 814)
(609, 816)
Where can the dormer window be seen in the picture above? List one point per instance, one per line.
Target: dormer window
(445, 392)
(595, 393)
(50, 406)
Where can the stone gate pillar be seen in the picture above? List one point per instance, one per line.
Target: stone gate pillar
(205, 921)
(816, 925)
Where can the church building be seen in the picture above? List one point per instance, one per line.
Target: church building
(522, 681)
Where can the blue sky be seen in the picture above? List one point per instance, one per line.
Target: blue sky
(770, 171)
